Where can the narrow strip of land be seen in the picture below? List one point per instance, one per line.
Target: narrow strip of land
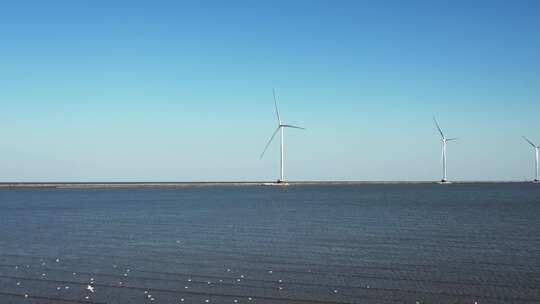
(131, 185)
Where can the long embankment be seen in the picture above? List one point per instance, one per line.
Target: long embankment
(135, 185)
(101, 185)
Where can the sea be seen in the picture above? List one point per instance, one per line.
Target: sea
(362, 243)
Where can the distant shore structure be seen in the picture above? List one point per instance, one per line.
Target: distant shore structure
(184, 185)
(280, 128)
(536, 159)
(444, 140)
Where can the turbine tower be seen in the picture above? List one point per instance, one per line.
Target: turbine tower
(444, 141)
(535, 150)
(280, 128)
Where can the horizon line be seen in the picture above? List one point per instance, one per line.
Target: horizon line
(143, 184)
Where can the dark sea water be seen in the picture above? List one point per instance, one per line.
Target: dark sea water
(300, 244)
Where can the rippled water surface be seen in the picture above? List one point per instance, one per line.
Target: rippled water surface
(299, 244)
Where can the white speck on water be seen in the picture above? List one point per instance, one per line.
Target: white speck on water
(228, 270)
(58, 288)
(67, 287)
(152, 299)
(146, 292)
(16, 267)
(185, 287)
(26, 295)
(90, 288)
(280, 281)
(189, 280)
(270, 271)
(237, 280)
(235, 301)
(182, 300)
(43, 274)
(280, 288)
(249, 299)
(335, 291)
(18, 283)
(57, 260)
(74, 273)
(242, 276)
(87, 297)
(207, 301)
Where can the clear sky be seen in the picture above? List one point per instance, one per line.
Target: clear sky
(182, 91)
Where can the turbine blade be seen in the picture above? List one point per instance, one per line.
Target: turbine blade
(449, 139)
(271, 138)
(291, 126)
(275, 104)
(438, 127)
(530, 142)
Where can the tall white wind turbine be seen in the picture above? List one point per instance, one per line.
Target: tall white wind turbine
(536, 151)
(444, 141)
(280, 128)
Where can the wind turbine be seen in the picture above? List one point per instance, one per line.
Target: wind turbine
(535, 150)
(280, 128)
(444, 141)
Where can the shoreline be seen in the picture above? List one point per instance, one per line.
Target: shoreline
(149, 185)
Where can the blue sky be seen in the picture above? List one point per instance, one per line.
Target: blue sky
(182, 91)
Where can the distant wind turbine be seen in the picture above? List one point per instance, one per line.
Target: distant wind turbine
(280, 128)
(536, 151)
(444, 141)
